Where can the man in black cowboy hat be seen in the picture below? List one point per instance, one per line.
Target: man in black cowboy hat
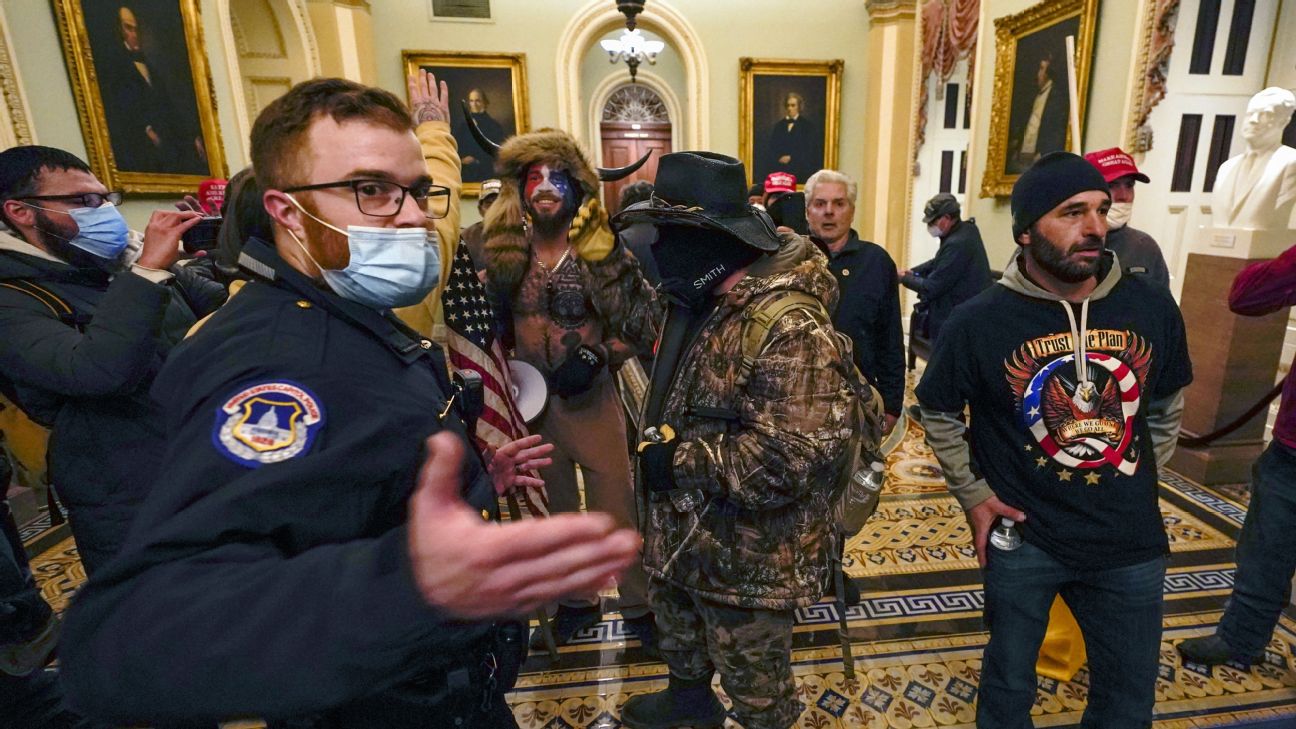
(736, 478)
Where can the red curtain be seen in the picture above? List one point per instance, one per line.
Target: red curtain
(949, 33)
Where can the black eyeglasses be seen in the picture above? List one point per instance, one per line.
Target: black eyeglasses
(384, 198)
(87, 199)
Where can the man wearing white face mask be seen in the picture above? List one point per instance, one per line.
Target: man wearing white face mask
(319, 513)
(960, 269)
(1139, 254)
(82, 334)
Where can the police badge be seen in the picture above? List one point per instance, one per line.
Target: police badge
(267, 423)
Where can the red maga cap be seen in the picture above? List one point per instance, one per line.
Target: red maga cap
(780, 182)
(1114, 164)
(211, 193)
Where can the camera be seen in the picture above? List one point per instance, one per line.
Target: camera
(203, 236)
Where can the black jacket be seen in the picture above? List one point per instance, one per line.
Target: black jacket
(278, 584)
(868, 311)
(959, 271)
(86, 377)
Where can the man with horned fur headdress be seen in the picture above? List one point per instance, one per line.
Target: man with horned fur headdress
(575, 305)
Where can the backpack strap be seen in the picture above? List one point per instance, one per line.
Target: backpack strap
(57, 306)
(759, 320)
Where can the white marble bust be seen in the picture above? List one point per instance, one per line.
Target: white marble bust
(1256, 190)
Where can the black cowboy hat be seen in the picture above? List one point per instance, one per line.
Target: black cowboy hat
(703, 190)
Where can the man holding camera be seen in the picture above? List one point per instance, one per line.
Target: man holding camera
(86, 320)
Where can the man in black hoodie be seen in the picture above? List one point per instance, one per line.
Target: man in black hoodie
(85, 324)
(1073, 376)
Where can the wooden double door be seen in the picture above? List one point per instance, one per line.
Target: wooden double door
(625, 142)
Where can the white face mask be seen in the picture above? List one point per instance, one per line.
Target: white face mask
(1118, 215)
(934, 230)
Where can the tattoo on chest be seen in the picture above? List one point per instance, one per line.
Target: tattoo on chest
(568, 303)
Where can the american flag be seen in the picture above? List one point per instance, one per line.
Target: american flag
(470, 338)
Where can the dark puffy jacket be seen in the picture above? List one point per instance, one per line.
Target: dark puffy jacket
(87, 377)
(959, 271)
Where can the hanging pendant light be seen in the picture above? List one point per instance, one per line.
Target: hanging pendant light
(632, 47)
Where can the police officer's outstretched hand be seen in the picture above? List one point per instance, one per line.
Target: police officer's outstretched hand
(474, 569)
(513, 465)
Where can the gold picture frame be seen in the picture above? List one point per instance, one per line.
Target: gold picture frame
(493, 75)
(147, 111)
(763, 88)
(1037, 34)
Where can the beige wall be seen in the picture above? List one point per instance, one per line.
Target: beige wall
(49, 92)
(1114, 45)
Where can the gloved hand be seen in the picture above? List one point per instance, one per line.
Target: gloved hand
(577, 372)
(657, 459)
(589, 233)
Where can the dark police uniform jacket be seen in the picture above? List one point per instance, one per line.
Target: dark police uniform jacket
(85, 374)
(267, 573)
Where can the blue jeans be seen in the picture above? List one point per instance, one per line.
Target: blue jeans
(1266, 554)
(1119, 612)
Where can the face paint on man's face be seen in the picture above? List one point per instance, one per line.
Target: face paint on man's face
(543, 181)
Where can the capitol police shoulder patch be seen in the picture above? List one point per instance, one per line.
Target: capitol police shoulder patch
(267, 422)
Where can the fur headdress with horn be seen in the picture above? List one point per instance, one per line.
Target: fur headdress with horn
(504, 230)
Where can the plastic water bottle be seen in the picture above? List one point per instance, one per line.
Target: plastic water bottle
(869, 482)
(1005, 535)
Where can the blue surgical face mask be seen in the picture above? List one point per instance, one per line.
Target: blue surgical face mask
(389, 267)
(101, 231)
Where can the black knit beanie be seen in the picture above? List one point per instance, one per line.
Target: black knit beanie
(1046, 184)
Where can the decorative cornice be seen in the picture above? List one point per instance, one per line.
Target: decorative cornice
(890, 11)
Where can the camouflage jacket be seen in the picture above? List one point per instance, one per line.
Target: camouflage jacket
(762, 455)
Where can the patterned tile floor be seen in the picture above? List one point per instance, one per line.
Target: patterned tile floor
(917, 635)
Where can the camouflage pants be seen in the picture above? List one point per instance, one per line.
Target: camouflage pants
(751, 648)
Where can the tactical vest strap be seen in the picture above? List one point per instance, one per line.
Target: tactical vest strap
(760, 321)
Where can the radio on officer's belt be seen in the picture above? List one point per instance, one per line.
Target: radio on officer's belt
(472, 400)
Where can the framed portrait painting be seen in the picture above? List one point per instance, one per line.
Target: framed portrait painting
(494, 86)
(1031, 112)
(143, 92)
(789, 112)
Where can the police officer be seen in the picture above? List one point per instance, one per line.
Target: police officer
(307, 554)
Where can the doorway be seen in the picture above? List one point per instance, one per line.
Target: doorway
(634, 121)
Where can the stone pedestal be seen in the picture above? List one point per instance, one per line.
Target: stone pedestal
(1235, 358)
(1247, 245)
